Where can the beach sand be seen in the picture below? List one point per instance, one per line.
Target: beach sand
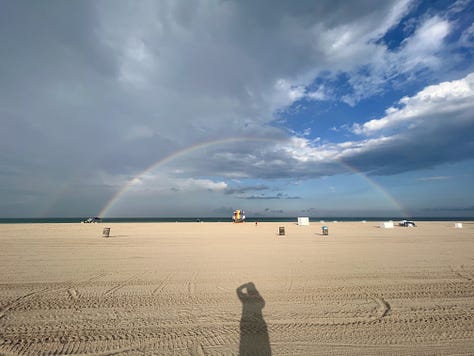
(183, 288)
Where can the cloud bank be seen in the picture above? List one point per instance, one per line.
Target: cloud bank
(93, 93)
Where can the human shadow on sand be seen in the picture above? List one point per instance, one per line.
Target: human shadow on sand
(254, 339)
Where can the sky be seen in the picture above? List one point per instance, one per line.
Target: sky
(197, 108)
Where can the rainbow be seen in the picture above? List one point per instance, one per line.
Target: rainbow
(116, 197)
(395, 203)
(171, 157)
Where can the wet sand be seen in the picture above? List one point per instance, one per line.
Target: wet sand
(223, 288)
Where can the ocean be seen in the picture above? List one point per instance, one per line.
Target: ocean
(221, 219)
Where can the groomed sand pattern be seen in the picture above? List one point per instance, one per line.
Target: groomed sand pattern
(171, 289)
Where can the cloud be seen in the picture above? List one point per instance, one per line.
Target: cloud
(421, 52)
(467, 37)
(453, 99)
(433, 126)
(92, 95)
(223, 211)
(319, 94)
(309, 210)
(434, 178)
(271, 197)
(262, 197)
(452, 209)
(276, 211)
(192, 184)
(163, 182)
(130, 84)
(421, 48)
(245, 189)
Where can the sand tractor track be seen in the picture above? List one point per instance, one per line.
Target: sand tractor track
(97, 316)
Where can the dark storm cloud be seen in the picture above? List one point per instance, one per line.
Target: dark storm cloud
(270, 197)
(432, 127)
(88, 80)
(424, 148)
(273, 211)
(242, 190)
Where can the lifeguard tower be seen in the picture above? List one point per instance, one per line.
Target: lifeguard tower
(238, 216)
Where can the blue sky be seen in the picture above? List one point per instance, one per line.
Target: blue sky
(327, 108)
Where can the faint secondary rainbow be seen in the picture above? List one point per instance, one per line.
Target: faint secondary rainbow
(116, 197)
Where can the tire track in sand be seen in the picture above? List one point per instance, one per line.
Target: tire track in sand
(167, 323)
(162, 284)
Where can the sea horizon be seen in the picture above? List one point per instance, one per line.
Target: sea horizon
(50, 220)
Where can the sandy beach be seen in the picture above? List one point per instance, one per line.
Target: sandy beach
(229, 289)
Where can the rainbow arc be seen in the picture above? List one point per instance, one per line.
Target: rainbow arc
(120, 193)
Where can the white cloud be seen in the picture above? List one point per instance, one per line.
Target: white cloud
(285, 93)
(434, 178)
(467, 37)
(346, 46)
(422, 48)
(136, 181)
(449, 99)
(137, 62)
(308, 151)
(302, 149)
(426, 129)
(192, 184)
(458, 6)
(319, 94)
(164, 181)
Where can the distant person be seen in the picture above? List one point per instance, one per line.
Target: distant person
(254, 339)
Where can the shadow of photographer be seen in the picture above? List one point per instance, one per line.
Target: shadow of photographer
(254, 339)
